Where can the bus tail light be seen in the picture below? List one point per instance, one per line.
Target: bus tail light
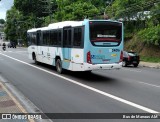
(89, 57)
(121, 57)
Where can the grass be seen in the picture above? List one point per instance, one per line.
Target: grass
(150, 59)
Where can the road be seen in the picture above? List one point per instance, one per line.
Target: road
(129, 90)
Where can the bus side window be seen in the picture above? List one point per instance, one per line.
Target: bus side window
(29, 39)
(59, 37)
(38, 41)
(77, 37)
(43, 38)
(33, 38)
(67, 37)
(52, 37)
(46, 38)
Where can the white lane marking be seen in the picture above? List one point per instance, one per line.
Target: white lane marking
(133, 81)
(91, 88)
(132, 70)
(150, 84)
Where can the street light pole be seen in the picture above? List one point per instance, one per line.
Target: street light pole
(108, 3)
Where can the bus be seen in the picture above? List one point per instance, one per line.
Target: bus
(78, 45)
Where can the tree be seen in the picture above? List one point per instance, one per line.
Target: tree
(39, 8)
(11, 26)
(75, 11)
(150, 34)
(2, 21)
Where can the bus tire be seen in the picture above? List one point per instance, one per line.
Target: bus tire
(35, 59)
(59, 66)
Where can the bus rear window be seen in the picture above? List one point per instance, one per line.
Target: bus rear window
(105, 33)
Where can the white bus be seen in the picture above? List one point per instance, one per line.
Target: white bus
(78, 45)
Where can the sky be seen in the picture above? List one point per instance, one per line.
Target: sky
(4, 6)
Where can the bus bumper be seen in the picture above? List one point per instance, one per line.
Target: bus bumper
(103, 66)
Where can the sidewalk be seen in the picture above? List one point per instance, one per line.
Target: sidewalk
(151, 65)
(9, 104)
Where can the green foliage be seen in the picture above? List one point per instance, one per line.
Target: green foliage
(39, 8)
(10, 26)
(2, 21)
(128, 8)
(17, 24)
(76, 11)
(150, 59)
(150, 35)
(155, 15)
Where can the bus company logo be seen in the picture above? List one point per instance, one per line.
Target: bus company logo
(98, 56)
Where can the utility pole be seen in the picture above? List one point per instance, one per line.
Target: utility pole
(107, 3)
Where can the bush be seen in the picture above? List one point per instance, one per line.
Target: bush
(150, 35)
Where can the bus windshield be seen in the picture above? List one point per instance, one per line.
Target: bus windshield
(105, 33)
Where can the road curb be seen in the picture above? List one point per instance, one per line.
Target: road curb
(150, 65)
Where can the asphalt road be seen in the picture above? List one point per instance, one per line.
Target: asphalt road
(129, 90)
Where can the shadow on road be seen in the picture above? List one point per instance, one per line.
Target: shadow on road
(89, 77)
(83, 76)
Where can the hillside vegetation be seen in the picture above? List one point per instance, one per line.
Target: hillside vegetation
(149, 53)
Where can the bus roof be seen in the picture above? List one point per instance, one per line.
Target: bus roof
(58, 25)
(43, 28)
(32, 30)
(65, 24)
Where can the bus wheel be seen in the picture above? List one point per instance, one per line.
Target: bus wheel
(59, 66)
(35, 60)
